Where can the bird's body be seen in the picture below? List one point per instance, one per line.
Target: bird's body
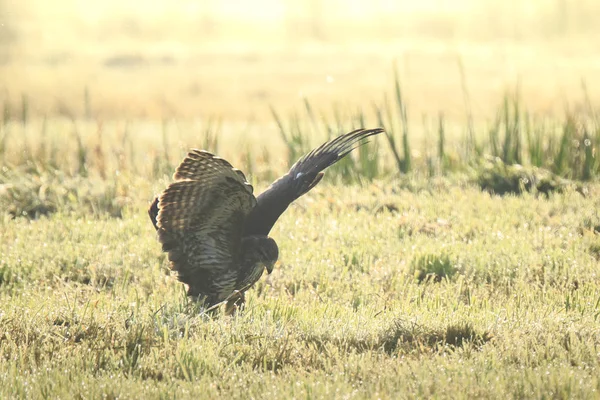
(216, 232)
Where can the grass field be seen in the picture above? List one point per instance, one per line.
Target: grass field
(381, 292)
(455, 257)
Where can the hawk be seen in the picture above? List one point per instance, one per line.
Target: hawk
(216, 232)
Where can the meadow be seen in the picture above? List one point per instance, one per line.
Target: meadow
(454, 257)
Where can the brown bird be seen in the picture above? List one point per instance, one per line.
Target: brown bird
(216, 232)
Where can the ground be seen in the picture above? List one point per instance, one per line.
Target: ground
(445, 292)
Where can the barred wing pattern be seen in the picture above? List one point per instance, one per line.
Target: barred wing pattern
(305, 174)
(200, 218)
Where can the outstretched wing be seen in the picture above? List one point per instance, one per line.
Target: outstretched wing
(302, 177)
(199, 219)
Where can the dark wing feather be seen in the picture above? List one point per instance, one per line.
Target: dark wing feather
(153, 212)
(302, 177)
(200, 219)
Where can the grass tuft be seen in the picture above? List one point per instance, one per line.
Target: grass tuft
(499, 178)
(36, 192)
(433, 267)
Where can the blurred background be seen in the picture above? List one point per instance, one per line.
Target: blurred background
(232, 59)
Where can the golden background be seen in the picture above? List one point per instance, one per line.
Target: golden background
(232, 59)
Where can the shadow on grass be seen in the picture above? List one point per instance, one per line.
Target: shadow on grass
(404, 338)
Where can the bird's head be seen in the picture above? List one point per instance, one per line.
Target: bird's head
(259, 249)
(269, 253)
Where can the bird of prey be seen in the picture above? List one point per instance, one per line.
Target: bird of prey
(216, 232)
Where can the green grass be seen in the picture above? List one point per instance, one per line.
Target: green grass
(399, 276)
(512, 308)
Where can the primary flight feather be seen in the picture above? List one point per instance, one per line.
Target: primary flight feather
(216, 232)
